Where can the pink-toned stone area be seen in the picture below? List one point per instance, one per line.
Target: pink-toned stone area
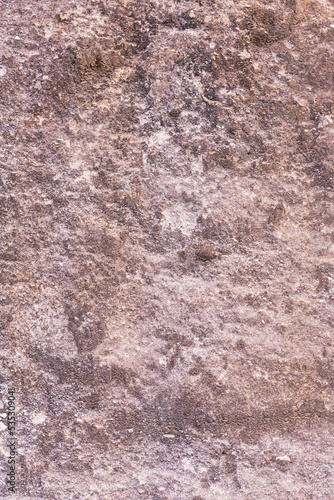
(166, 248)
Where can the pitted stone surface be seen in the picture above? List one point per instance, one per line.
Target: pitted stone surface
(166, 178)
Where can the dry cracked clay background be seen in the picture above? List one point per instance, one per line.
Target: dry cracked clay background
(166, 177)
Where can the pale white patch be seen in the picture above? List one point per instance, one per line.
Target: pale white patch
(159, 138)
(178, 218)
(244, 54)
(187, 465)
(39, 418)
(283, 458)
(47, 33)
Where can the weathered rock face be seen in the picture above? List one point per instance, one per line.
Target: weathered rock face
(166, 248)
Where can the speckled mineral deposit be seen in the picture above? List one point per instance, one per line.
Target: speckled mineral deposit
(167, 276)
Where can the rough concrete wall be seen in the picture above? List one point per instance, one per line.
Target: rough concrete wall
(166, 248)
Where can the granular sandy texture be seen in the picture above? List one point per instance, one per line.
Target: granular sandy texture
(167, 248)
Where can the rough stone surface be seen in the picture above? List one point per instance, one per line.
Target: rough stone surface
(167, 248)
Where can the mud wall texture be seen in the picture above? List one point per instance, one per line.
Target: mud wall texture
(166, 177)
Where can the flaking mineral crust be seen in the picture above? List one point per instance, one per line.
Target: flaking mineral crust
(167, 248)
